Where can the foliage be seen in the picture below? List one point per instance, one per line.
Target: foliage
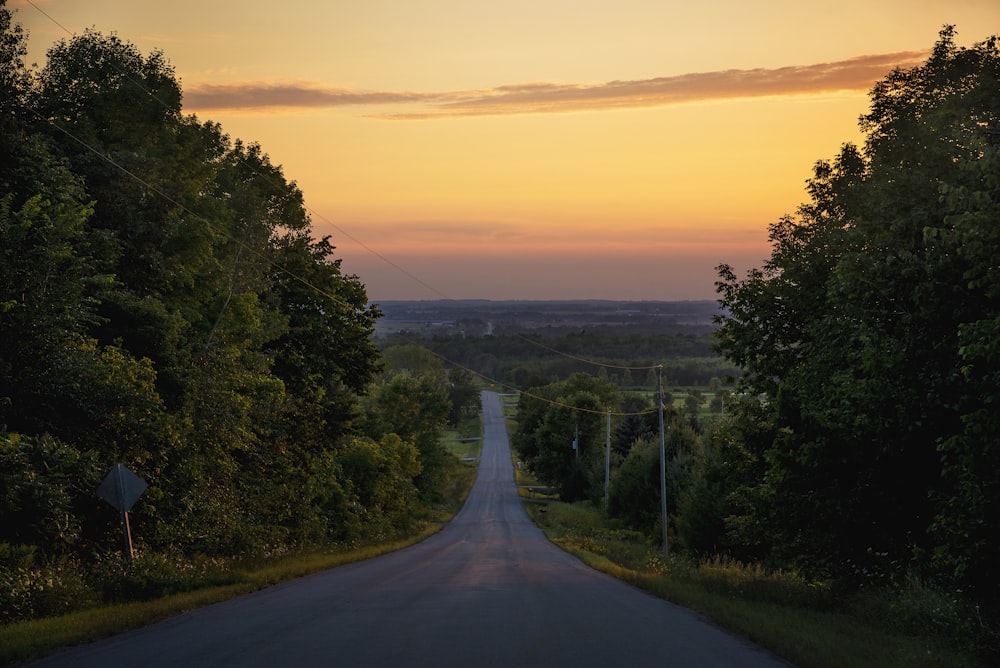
(463, 393)
(165, 304)
(871, 333)
(551, 418)
(44, 485)
(382, 479)
(804, 620)
(152, 575)
(415, 408)
(30, 589)
(525, 361)
(412, 359)
(639, 422)
(635, 490)
(634, 496)
(725, 508)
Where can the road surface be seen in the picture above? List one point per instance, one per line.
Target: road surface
(487, 590)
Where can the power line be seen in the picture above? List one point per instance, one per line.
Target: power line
(585, 360)
(334, 298)
(335, 226)
(537, 396)
(353, 238)
(111, 161)
(311, 211)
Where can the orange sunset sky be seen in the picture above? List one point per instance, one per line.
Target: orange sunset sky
(533, 149)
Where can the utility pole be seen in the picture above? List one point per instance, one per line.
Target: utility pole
(607, 463)
(663, 459)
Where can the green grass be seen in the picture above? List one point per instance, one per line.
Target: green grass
(24, 641)
(797, 620)
(803, 622)
(31, 639)
(465, 440)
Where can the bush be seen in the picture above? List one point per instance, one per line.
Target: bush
(150, 576)
(29, 590)
(915, 607)
(43, 486)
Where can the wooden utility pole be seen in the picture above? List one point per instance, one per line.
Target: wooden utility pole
(663, 460)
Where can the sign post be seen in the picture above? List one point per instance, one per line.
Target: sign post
(122, 488)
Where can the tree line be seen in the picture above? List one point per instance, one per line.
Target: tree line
(862, 441)
(164, 304)
(523, 359)
(873, 330)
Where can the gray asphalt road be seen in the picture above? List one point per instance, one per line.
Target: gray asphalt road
(487, 590)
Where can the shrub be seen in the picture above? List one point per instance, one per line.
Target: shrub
(150, 576)
(916, 607)
(29, 590)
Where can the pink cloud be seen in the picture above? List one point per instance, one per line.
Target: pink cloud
(533, 98)
(283, 96)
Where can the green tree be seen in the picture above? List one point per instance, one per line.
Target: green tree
(463, 392)
(694, 401)
(548, 423)
(854, 328)
(969, 505)
(45, 488)
(381, 478)
(325, 357)
(634, 493)
(415, 408)
(163, 302)
(730, 503)
(638, 423)
(117, 117)
(412, 359)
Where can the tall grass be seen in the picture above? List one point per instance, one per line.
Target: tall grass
(31, 639)
(806, 622)
(155, 586)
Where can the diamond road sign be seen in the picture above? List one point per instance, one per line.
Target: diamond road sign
(121, 488)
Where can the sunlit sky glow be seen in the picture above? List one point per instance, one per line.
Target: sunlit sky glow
(533, 149)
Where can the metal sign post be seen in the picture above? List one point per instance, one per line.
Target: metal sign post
(122, 488)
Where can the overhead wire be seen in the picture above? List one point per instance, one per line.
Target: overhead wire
(585, 360)
(332, 224)
(361, 243)
(111, 161)
(528, 393)
(313, 287)
(157, 191)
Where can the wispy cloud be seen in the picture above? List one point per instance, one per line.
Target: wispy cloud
(537, 98)
(247, 96)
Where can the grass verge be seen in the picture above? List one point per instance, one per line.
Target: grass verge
(24, 641)
(799, 621)
(32, 639)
